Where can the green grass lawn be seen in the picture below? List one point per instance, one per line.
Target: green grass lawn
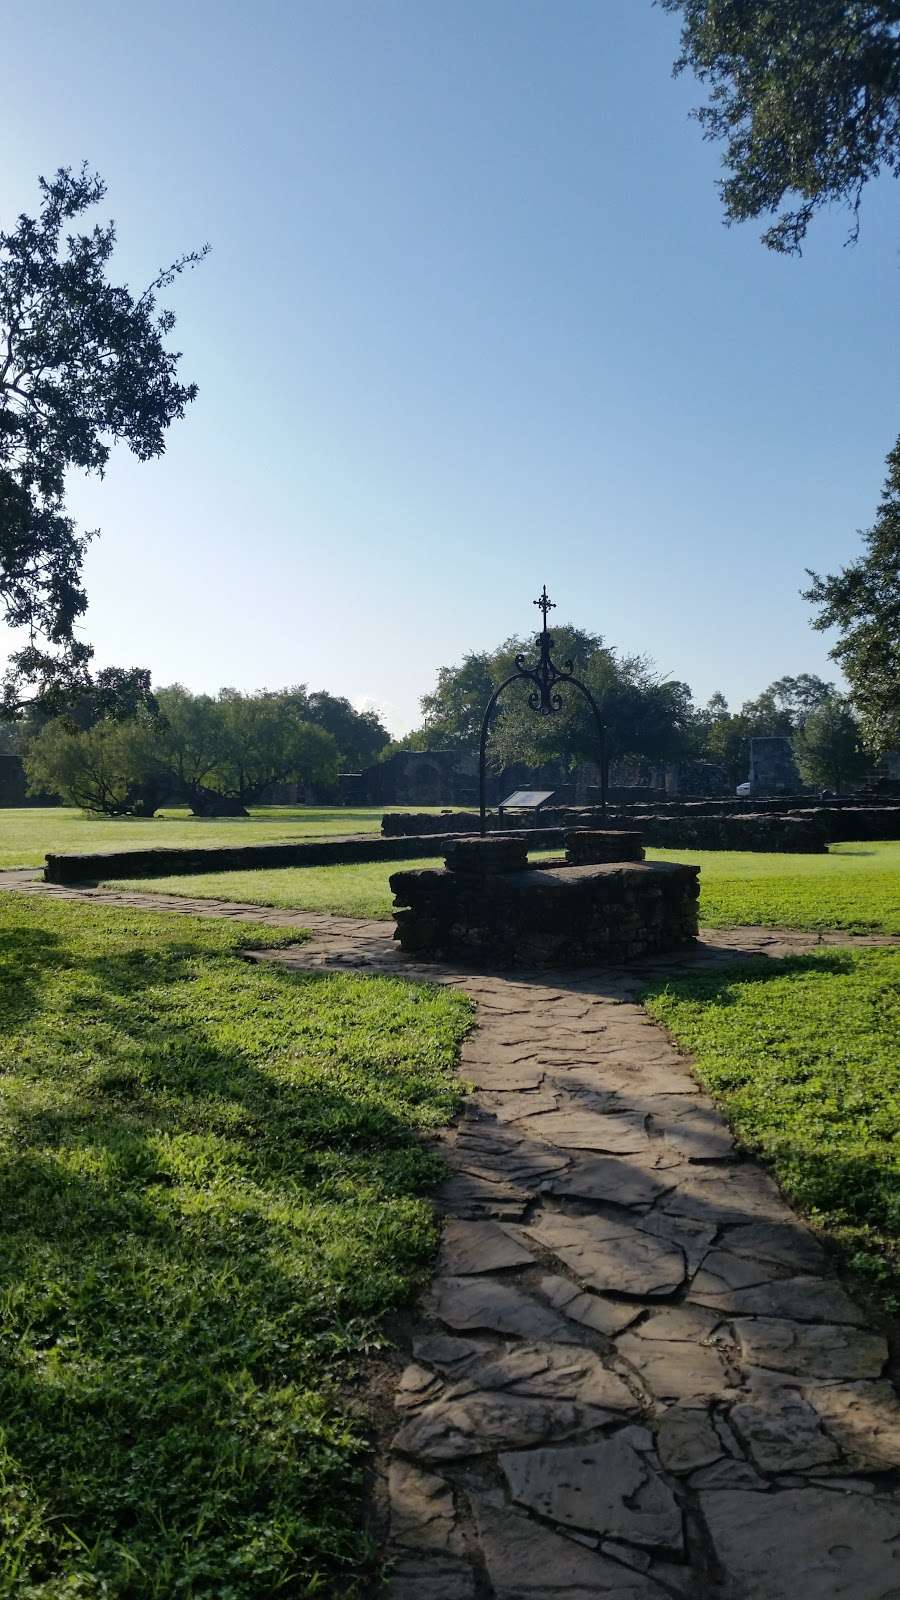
(357, 891)
(210, 1194)
(803, 1056)
(855, 887)
(26, 835)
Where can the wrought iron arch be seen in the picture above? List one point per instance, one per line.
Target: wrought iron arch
(545, 677)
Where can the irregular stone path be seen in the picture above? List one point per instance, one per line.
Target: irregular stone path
(635, 1374)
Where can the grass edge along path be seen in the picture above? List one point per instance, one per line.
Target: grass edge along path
(802, 1056)
(211, 1191)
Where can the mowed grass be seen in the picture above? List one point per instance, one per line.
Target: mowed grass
(360, 890)
(27, 834)
(210, 1194)
(855, 887)
(803, 1056)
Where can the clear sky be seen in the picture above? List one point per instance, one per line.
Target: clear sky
(471, 322)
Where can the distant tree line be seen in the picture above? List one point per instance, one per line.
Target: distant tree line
(644, 715)
(124, 750)
(820, 722)
(649, 721)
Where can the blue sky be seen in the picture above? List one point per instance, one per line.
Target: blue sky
(471, 322)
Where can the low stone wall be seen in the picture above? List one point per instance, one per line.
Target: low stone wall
(804, 832)
(163, 862)
(547, 916)
(860, 822)
(836, 820)
(797, 835)
(395, 823)
(685, 831)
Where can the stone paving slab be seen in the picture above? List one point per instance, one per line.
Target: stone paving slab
(806, 1542)
(609, 1489)
(635, 1375)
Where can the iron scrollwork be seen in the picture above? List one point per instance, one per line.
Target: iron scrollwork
(545, 699)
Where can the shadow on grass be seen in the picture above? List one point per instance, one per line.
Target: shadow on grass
(717, 983)
(194, 1239)
(26, 954)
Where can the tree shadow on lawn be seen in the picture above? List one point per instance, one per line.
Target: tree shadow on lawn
(26, 956)
(167, 1325)
(716, 983)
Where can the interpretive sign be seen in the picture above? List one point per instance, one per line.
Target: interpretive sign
(526, 800)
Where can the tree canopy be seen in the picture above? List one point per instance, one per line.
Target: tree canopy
(649, 721)
(260, 742)
(107, 767)
(360, 736)
(781, 709)
(863, 602)
(83, 364)
(644, 716)
(805, 95)
(827, 746)
(215, 754)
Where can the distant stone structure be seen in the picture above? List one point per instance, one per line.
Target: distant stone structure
(414, 778)
(450, 778)
(773, 769)
(701, 779)
(439, 778)
(13, 783)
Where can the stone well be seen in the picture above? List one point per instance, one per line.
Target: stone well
(487, 903)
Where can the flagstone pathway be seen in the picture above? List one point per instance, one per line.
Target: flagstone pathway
(635, 1374)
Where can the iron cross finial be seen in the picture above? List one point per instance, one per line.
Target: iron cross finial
(545, 603)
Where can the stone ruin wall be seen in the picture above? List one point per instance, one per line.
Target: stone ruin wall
(489, 904)
(758, 826)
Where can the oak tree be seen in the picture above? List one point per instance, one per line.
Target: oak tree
(84, 364)
(863, 602)
(805, 96)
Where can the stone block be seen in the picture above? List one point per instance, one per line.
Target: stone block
(589, 846)
(783, 1433)
(493, 853)
(552, 915)
(606, 1255)
(807, 1350)
(423, 1516)
(480, 1423)
(411, 1577)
